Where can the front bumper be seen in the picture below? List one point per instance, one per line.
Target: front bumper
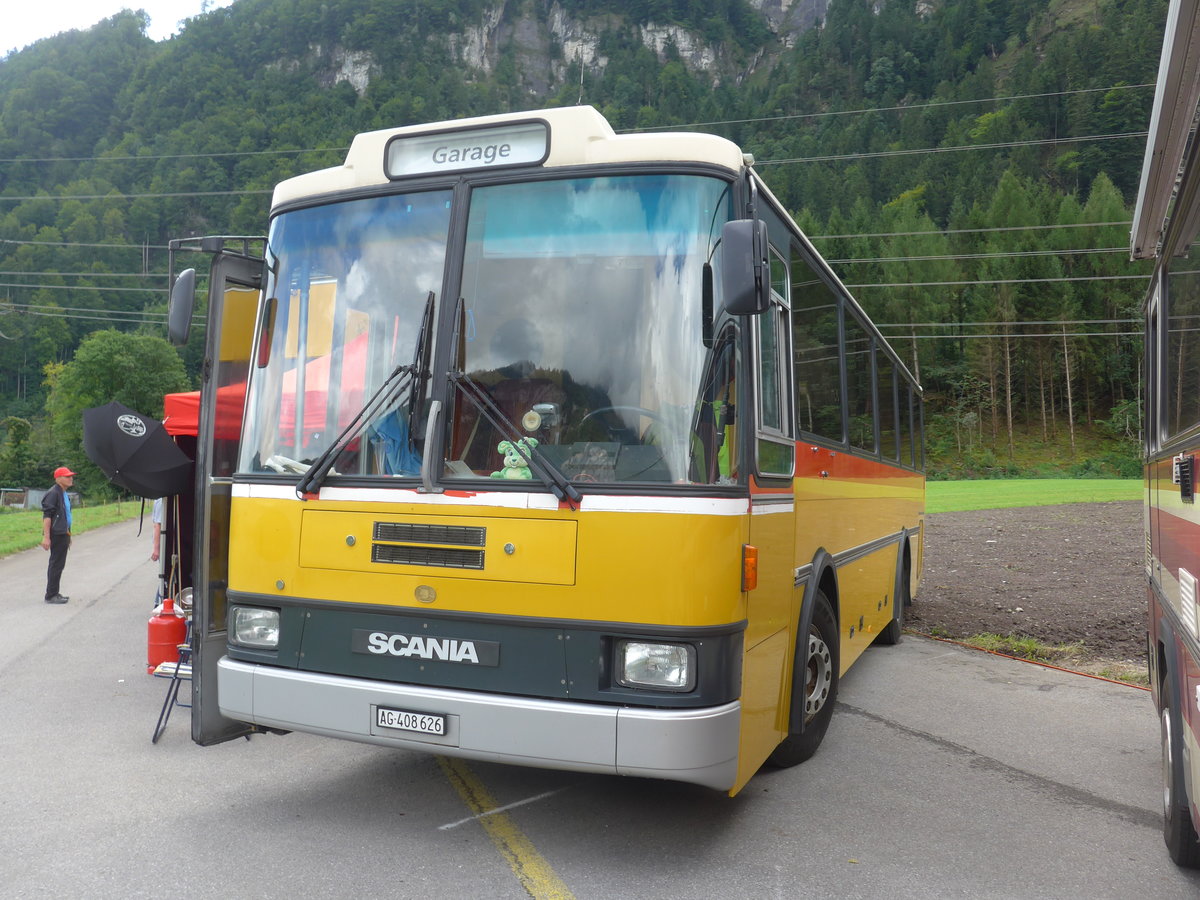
(698, 746)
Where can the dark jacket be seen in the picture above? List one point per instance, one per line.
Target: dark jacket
(54, 508)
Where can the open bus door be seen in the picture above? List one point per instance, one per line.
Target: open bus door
(235, 283)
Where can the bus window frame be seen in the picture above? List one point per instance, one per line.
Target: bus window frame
(810, 258)
(871, 395)
(1153, 376)
(879, 359)
(442, 390)
(785, 436)
(902, 377)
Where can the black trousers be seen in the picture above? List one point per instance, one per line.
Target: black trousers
(59, 545)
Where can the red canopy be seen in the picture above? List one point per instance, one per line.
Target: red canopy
(181, 412)
(316, 390)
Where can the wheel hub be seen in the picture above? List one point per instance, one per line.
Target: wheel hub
(819, 676)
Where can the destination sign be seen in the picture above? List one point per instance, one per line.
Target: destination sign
(526, 143)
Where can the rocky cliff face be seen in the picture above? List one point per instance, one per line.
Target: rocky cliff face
(547, 39)
(789, 18)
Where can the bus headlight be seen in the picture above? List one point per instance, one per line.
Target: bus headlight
(661, 667)
(254, 627)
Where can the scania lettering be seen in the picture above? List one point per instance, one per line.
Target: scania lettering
(566, 439)
(426, 648)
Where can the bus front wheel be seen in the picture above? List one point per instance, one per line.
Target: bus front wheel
(815, 681)
(1178, 830)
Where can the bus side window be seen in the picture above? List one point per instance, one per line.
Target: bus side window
(1183, 352)
(815, 314)
(889, 444)
(713, 453)
(775, 445)
(860, 386)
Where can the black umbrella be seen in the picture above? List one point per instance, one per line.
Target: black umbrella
(135, 452)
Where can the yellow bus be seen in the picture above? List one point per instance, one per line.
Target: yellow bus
(557, 448)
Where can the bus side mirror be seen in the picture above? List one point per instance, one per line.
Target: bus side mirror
(179, 311)
(745, 274)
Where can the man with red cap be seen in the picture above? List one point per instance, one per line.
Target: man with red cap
(56, 530)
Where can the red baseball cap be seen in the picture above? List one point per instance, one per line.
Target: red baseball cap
(63, 470)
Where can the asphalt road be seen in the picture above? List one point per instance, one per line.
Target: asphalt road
(946, 773)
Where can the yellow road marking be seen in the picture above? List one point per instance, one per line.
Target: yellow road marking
(531, 869)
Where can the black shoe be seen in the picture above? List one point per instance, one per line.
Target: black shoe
(57, 598)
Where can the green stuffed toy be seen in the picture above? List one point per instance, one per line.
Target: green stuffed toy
(516, 458)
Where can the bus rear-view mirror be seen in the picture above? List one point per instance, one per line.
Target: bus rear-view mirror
(179, 311)
(745, 274)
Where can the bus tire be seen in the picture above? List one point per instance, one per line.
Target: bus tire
(1179, 832)
(817, 681)
(893, 632)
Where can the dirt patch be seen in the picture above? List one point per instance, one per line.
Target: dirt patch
(1057, 574)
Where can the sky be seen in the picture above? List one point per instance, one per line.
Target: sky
(24, 21)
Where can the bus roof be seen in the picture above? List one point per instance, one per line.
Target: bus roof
(1175, 100)
(567, 136)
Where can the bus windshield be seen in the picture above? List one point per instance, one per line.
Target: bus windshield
(578, 328)
(581, 317)
(348, 289)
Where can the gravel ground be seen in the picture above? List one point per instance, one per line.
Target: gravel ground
(1070, 574)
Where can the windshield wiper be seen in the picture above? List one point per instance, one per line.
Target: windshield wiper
(420, 364)
(384, 396)
(545, 470)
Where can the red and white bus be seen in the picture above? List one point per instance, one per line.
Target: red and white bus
(1166, 229)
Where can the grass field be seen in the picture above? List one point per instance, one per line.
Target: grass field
(955, 496)
(22, 528)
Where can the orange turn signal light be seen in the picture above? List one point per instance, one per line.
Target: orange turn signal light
(749, 567)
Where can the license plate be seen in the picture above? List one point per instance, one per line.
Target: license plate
(404, 720)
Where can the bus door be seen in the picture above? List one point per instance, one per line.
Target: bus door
(235, 282)
(771, 530)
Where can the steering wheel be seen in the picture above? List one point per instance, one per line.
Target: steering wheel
(614, 433)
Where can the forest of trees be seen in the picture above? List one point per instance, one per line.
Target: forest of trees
(1000, 273)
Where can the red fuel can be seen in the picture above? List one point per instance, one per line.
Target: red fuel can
(164, 633)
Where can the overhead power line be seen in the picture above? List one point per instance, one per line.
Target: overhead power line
(1005, 324)
(134, 196)
(103, 317)
(74, 287)
(150, 317)
(1000, 146)
(815, 237)
(55, 159)
(854, 112)
(782, 117)
(764, 162)
(138, 247)
(847, 261)
(1057, 335)
(85, 274)
(998, 254)
(83, 309)
(1000, 281)
(883, 234)
(92, 313)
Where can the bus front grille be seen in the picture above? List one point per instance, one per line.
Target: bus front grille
(416, 533)
(442, 557)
